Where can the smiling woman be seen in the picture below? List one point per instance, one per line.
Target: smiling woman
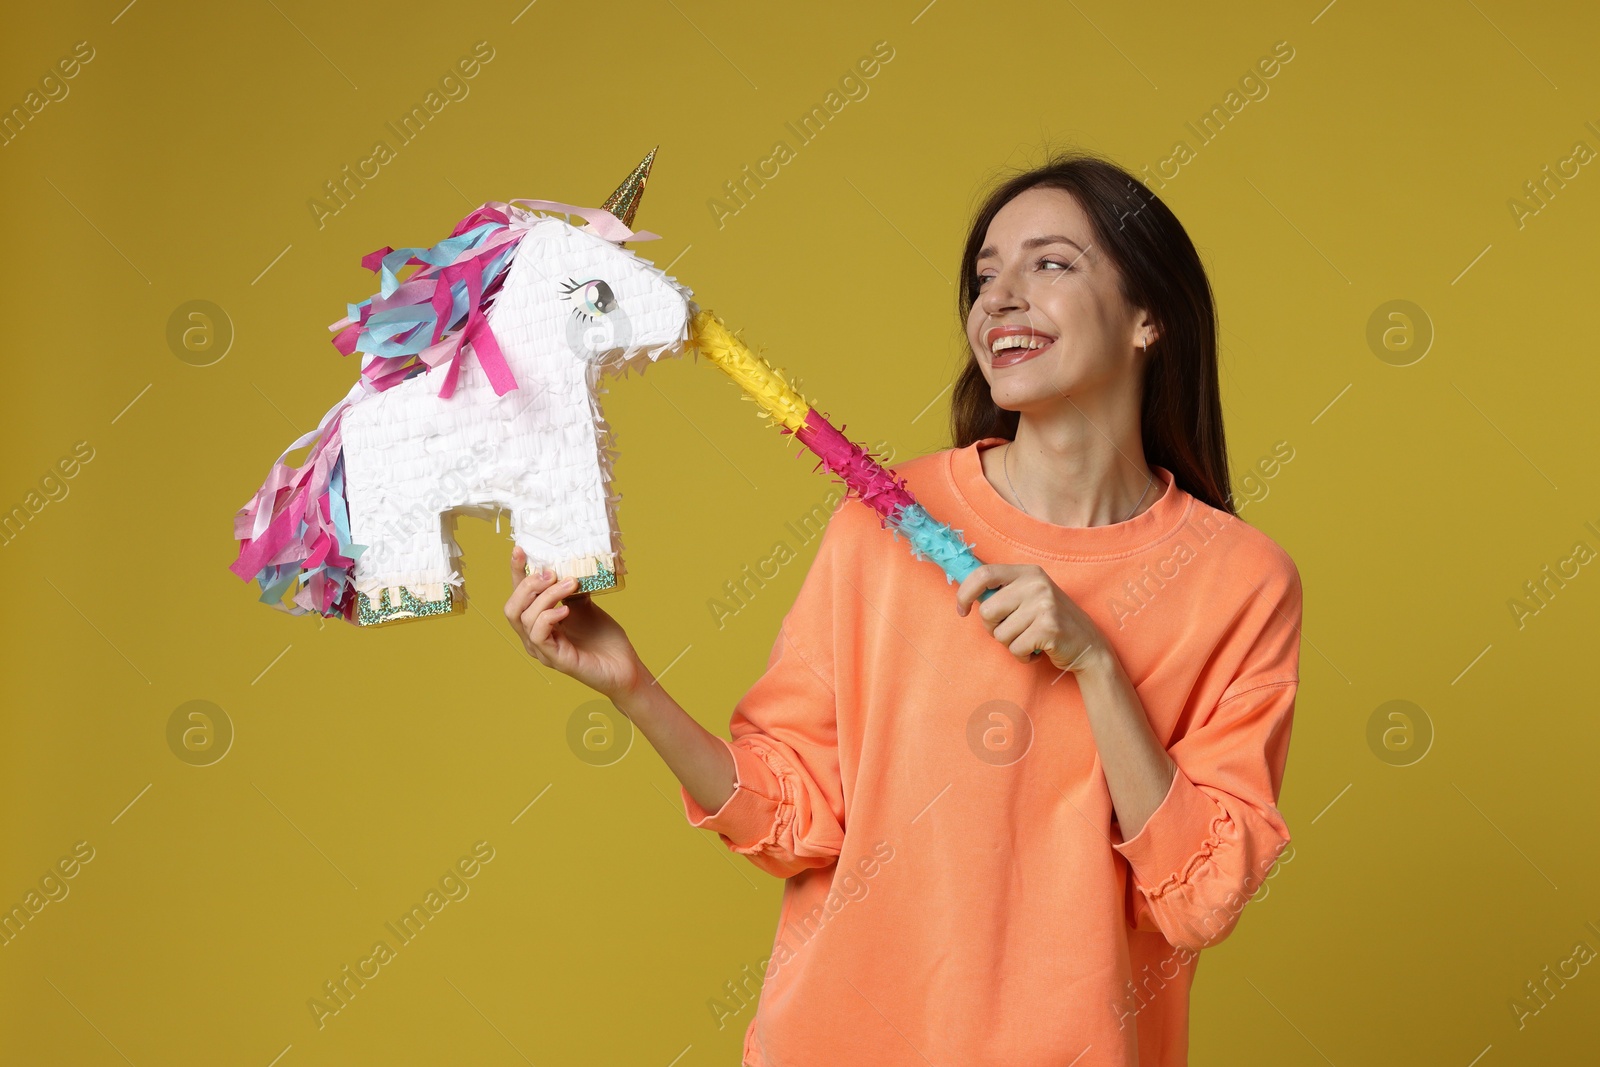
(1030, 909)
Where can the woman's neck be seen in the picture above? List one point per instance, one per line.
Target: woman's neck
(1072, 475)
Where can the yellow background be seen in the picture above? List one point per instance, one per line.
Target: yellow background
(1419, 899)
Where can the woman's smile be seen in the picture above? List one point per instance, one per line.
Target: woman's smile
(1010, 357)
(1010, 345)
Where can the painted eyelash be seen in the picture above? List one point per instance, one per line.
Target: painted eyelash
(570, 286)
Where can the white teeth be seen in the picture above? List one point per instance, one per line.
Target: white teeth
(1019, 340)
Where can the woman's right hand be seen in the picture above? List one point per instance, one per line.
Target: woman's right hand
(572, 634)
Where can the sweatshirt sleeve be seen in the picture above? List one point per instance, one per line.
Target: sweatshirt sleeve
(1210, 844)
(786, 812)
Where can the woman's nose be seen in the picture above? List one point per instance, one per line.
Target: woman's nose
(1001, 295)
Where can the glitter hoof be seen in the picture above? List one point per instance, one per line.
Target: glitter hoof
(438, 598)
(594, 573)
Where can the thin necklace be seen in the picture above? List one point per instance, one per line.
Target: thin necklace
(1006, 466)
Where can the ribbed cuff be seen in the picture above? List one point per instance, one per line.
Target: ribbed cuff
(1180, 833)
(749, 816)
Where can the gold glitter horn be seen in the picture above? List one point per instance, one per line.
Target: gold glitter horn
(624, 203)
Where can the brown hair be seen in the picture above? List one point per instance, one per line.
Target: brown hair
(1160, 271)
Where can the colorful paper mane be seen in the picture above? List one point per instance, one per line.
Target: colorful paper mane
(478, 390)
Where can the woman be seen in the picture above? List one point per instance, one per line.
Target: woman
(1009, 826)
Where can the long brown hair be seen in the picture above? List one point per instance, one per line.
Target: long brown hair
(1160, 271)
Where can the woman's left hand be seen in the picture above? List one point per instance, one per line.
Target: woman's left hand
(1031, 612)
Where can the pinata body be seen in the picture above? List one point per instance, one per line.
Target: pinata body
(543, 451)
(479, 393)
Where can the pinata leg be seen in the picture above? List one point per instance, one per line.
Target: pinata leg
(400, 602)
(595, 574)
(582, 544)
(405, 574)
(405, 570)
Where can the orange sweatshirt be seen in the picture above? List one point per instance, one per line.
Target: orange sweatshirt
(959, 891)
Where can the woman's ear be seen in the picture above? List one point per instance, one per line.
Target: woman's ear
(1148, 333)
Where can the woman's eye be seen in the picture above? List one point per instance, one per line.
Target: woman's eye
(592, 298)
(978, 281)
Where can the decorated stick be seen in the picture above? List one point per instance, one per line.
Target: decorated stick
(882, 490)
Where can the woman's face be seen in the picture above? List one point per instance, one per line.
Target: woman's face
(1051, 300)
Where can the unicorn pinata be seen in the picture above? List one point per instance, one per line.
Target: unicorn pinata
(479, 391)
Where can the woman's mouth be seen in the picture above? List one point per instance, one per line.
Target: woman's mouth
(1011, 356)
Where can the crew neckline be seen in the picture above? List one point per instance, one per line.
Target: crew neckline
(1010, 523)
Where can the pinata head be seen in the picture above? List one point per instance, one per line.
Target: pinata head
(624, 203)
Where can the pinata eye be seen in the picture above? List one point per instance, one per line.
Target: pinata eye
(590, 299)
